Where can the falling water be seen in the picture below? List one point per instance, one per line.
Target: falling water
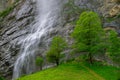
(48, 11)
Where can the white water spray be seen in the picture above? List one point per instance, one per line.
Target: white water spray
(48, 11)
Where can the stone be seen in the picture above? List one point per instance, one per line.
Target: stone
(115, 11)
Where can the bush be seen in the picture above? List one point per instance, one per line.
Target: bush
(1, 78)
(39, 62)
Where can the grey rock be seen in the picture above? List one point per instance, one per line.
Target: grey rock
(15, 26)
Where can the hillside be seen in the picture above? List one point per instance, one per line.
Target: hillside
(76, 71)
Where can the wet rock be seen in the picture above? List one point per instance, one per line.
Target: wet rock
(14, 27)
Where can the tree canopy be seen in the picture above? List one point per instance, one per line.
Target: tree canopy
(114, 46)
(88, 34)
(57, 46)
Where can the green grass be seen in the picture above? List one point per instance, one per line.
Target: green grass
(108, 72)
(75, 71)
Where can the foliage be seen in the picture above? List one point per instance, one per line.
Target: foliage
(57, 46)
(39, 61)
(114, 46)
(89, 35)
(1, 78)
(81, 58)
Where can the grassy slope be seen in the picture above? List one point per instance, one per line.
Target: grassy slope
(108, 72)
(73, 71)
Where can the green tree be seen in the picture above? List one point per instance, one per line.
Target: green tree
(39, 62)
(1, 78)
(114, 46)
(89, 35)
(58, 45)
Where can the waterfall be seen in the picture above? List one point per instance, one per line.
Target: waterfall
(48, 11)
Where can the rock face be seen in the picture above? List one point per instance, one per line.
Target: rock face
(93, 5)
(17, 24)
(14, 27)
(6, 3)
(111, 8)
(115, 10)
(2, 4)
(111, 12)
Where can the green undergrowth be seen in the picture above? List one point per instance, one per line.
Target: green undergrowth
(76, 71)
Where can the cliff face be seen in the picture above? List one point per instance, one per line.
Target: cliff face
(17, 24)
(111, 8)
(12, 28)
(5, 3)
(2, 4)
(111, 14)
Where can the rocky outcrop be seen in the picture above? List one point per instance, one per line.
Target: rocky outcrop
(94, 5)
(110, 8)
(2, 4)
(115, 10)
(6, 3)
(14, 27)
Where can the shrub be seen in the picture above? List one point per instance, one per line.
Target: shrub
(1, 78)
(39, 62)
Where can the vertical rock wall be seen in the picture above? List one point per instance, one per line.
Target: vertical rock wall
(14, 27)
(2, 4)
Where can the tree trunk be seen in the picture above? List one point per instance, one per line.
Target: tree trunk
(90, 58)
(57, 62)
(41, 67)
